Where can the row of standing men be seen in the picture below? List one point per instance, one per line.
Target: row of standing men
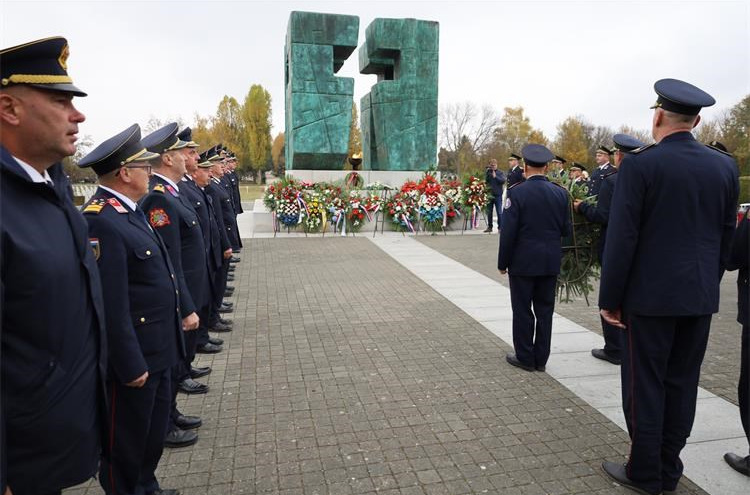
(173, 231)
(103, 311)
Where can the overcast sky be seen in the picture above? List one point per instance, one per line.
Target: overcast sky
(599, 59)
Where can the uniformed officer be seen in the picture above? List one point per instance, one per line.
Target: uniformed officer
(558, 167)
(536, 216)
(141, 299)
(495, 180)
(52, 403)
(172, 215)
(670, 229)
(234, 180)
(515, 171)
(199, 203)
(740, 259)
(224, 215)
(599, 213)
(576, 173)
(603, 168)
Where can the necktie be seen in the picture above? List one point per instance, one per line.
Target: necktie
(139, 213)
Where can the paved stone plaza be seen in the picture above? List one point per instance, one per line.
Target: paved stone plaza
(348, 374)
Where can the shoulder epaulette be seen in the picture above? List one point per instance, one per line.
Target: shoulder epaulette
(95, 206)
(611, 172)
(515, 184)
(159, 188)
(720, 150)
(642, 149)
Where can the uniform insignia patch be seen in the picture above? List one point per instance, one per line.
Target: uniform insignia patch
(95, 247)
(507, 204)
(117, 205)
(93, 207)
(159, 188)
(158, 218)
(172, 191)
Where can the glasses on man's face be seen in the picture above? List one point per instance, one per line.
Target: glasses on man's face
(147, 168)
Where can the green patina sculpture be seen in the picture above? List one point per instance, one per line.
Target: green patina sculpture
(399, 115)
(318, 104)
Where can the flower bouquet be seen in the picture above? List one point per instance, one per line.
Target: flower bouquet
(353, 180)
(315, 215)
(372, 203)
(355, 214)
(401, 209)
(452, 190)
(474, 199)
(288, 212)
(269, 196)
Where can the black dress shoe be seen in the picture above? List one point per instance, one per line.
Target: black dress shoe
(168, 491)
(222, 309)
(225, 321)
(513, 361)
(196, 372)
(618, 473)
(221, 327)
(231, 268)
(488, 230)
(180, 438)
(541, 368)
(227, 304)
(600, 354)
(208, 349)
(188, 422)
(739, 464)
(190, 387)
(215, 341)
(234, 259)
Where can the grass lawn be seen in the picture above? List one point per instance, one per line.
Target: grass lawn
(250, 191)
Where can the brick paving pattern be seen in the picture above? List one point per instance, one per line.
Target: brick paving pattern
(347, 375)
(721, 366)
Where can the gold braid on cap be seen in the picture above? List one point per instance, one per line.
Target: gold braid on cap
(35, 79)
(134, 157)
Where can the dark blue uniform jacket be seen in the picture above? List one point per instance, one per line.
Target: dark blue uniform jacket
(53, 342)
(740, 260)
(140, 290)
(515, 175)
(172, 215)
(221, 197)
(536, 216)
(670, 229)
(234, 179)
(599, 213)
(595, 181)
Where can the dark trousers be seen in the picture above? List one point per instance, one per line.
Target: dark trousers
(138, 425)
(201, 335)
(613, 338)
(220, 285)
(495, 203)
(660, 371)
(743, 388)
(532, 331)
